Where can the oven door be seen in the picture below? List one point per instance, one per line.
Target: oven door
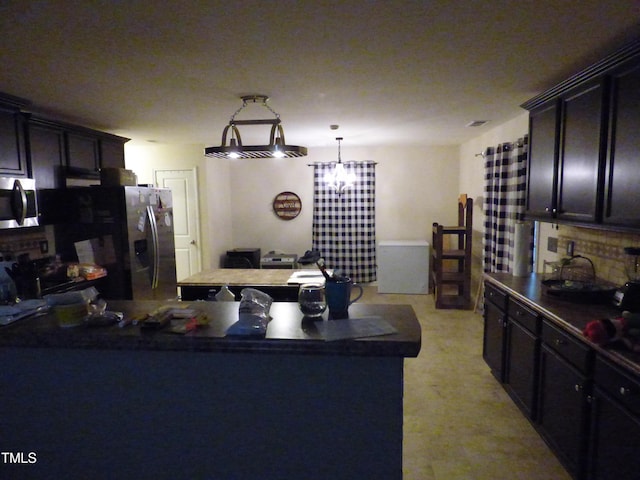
(18, 205)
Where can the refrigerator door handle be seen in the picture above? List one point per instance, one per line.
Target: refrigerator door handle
(156, 249)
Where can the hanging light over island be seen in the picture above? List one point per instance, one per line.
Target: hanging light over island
(276, 148)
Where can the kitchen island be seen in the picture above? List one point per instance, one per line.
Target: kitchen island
(276, 282)
(110, 402)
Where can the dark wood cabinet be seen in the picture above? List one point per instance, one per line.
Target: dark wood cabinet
(51, 151)
(582, 153)
(583, 403)
(58, 151)
(562, 409)
(112, 152)
(13, 159)
(543, 161)
(46, 153)
(583, 144)
(495, 321)
(566, 156)
(83, 152)
(522, 352)
(615, 409)
(623, 160)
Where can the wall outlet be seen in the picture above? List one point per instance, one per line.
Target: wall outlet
(570, 247)
(552, 244)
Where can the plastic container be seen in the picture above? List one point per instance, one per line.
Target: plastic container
(70, 315)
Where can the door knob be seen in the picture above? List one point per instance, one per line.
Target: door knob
(192, 242)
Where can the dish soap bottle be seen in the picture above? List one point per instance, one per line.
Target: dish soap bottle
(225, 295)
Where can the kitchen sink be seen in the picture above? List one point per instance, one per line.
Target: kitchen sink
(579, 291)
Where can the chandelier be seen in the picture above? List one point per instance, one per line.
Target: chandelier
(277, 147)
(339, 179)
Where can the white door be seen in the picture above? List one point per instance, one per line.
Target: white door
(184, 190)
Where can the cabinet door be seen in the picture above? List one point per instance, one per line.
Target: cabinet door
(521, 366)
(111, 153)
(12, 151)
(580, 182)
(494, 339)
(82, 152)
(614, 441)
(543, 158)
(623, 172)
(46, 151)
(562, 409)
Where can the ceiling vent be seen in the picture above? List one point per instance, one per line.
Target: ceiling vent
(476, 123)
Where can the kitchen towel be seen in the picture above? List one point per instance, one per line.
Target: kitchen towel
(521, 249)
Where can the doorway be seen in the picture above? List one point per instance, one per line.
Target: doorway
(186, 215)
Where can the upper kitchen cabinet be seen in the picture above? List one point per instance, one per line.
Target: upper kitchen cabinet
(46, 152)
(576, 132)
(13, 159)
(83, 153)
(89, 150)
(112, 152)
(59, 151)
(543, 160)
(566, 155)
(621, 206)
(582, 141)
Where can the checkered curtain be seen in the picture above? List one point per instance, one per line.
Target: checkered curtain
(344, 226)
(504, 202)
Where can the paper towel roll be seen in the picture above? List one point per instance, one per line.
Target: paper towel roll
(521, 252)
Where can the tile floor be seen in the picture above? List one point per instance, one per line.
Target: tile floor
(459, 423)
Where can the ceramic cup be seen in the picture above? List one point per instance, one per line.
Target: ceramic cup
(339, 297)
(311, 300)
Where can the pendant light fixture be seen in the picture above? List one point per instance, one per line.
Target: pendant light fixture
(339, 179)
(277, 147)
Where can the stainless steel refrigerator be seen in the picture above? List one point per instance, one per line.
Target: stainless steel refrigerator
(129, 231)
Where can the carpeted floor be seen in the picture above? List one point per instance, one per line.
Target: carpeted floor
(459, 423)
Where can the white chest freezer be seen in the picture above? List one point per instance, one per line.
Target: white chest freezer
(403, 266)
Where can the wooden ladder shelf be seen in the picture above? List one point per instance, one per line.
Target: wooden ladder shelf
(451, 259)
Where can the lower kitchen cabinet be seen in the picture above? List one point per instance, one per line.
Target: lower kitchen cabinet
(562, 409)
(615, 409)
(493, 348)
(522, 352)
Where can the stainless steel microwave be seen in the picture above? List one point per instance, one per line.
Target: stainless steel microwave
(18, 204)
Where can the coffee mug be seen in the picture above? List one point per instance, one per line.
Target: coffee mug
(339, 297)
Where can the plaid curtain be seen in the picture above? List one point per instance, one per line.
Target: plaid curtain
(504, 202)
(344, 226)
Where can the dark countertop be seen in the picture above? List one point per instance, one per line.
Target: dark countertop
(572, 317)
(287, 333)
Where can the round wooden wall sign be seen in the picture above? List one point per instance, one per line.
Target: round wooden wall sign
(287, 205)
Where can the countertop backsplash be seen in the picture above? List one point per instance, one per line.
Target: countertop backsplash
(603, 248)
(36, 241)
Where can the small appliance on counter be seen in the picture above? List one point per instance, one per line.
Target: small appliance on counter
(627, 297)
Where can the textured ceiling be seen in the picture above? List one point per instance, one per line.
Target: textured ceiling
(387, 72)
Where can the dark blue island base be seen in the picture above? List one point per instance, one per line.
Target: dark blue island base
(150, 413)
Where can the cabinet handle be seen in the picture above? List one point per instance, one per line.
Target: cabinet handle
(547, 209)
(577, 387)
(625, 391)
(560, 342)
